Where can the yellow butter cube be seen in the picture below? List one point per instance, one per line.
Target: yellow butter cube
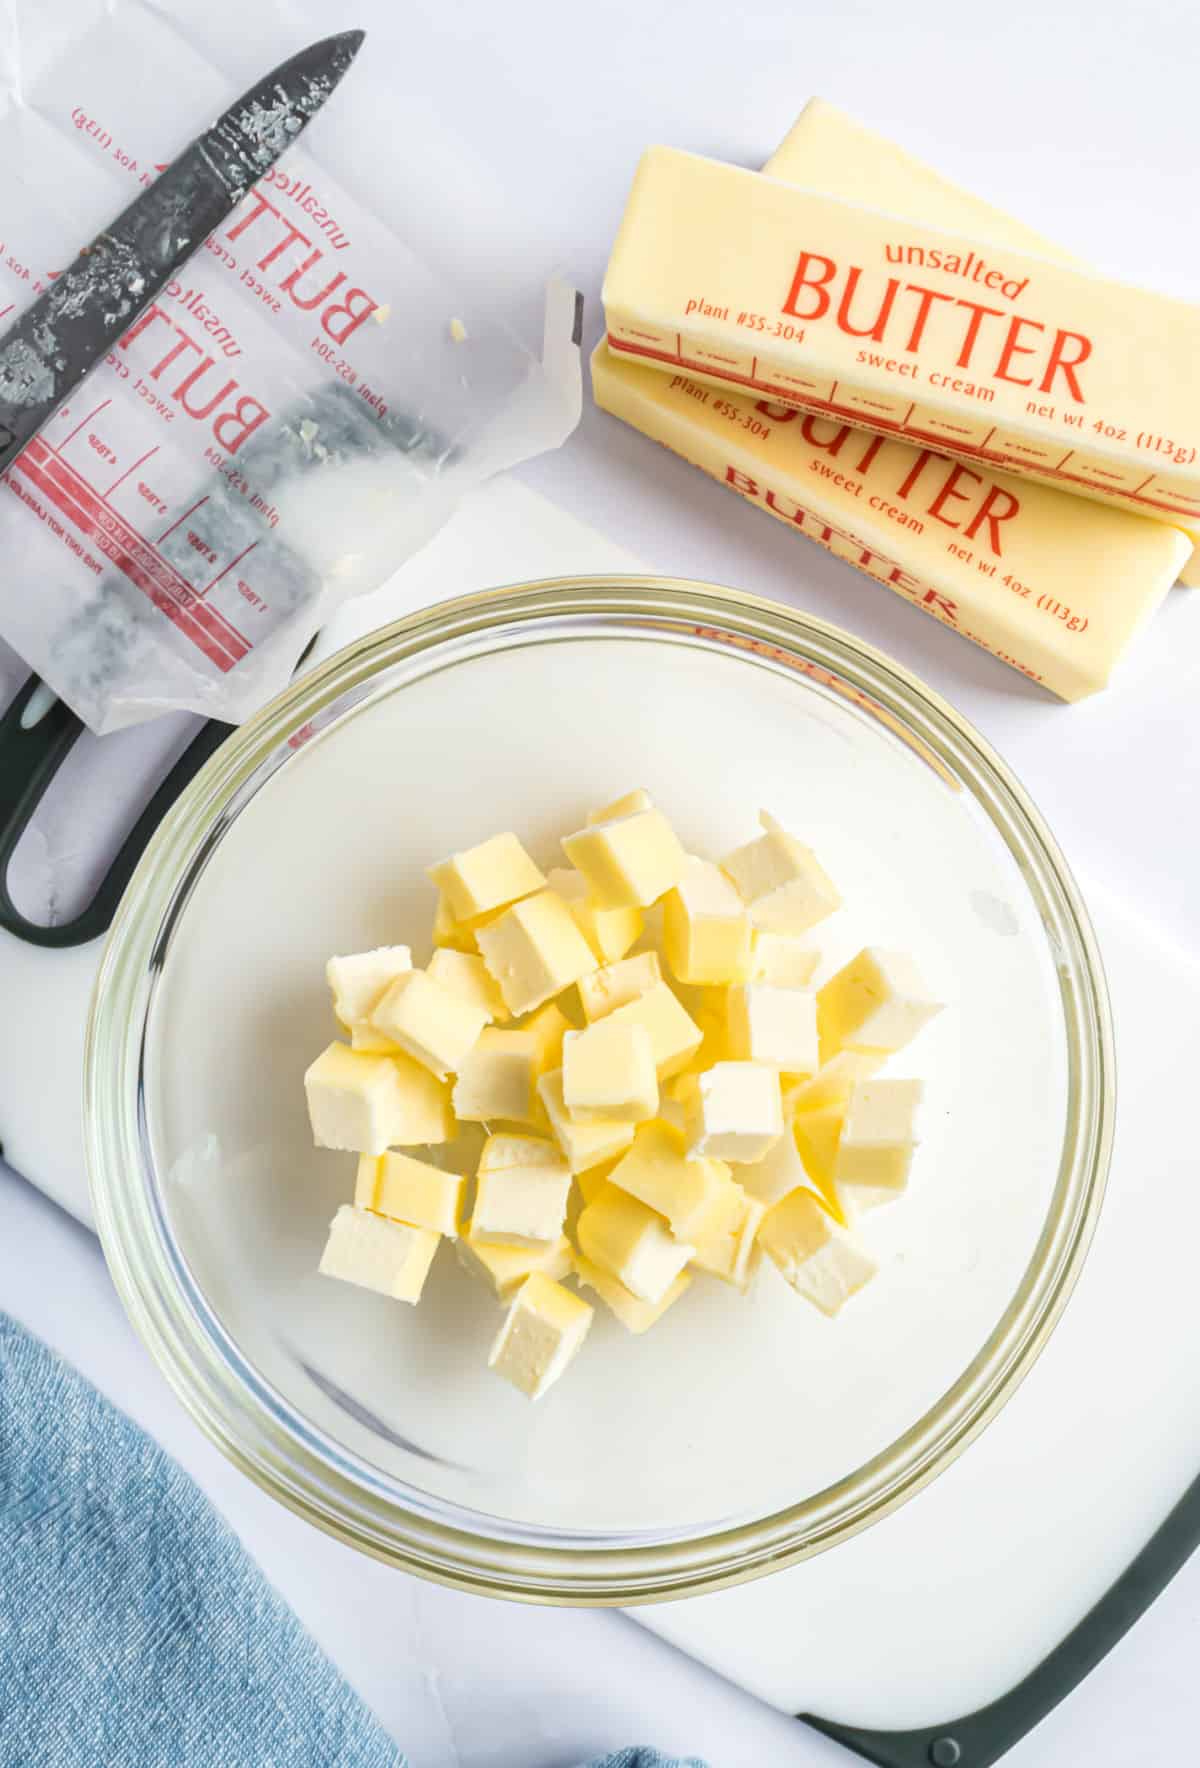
(706, 930)
(674, 1035)
(638, 799)
(593, 1181)
(629, 862)
(521, 1191)
(465, 974)
(878, 1001)
(609, 932)
(816, 1135)
(543, 1331)
(360, 1102)
(734, 1112)
(733, 1253)
(534, 950)
(496, 1081)
(412, 1191)
(820, 1260)
(434, 1026)
(695, 1196)
(781, 882)
(615, 985)
(389, 1257)
(773, 1025)
(835, 1080)
(634, 1314)
(631, 1243)
(357, 980)
(365, 1038)
(584, 1145)
(447, 931)
(875, 1149)
(489, 876)
(609, 1075)
(781, 959)
(505, 1267)
(548, 1026)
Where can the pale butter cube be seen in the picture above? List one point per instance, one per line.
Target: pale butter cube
(781, 881)
(434, 1026)
(634, 1314)
(674, 1035)
(779, 1171)
(781, 959)
(534, 950)
(410, 1190)
(465, 974)
(365, 1038)
(505, 1267)
(875, 1149)
(548, 1026)
(706, 930)
(631, 1243)
(489, 876)
(496, 1081)
(609, 932)
(447, 931)
(878, 1001)
(609, 1074)
(521, 1191)
(732, 1253)
(835, 1080)
(584, 1145)
(358, 980)
(355, 1100)
(735, 1112)
(544, 1329)
(615, 985)
(629, 862)
(694, 1195)
(820, 1260)
(638, 799)
(389, 1257)
(773, 1025)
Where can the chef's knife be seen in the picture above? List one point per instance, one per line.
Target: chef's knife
(56, 343)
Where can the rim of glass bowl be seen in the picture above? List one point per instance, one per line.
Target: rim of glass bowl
(258, 1430)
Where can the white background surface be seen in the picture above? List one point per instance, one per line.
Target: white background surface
(1081, 120)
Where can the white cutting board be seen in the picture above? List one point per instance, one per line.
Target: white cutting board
(948, 1602)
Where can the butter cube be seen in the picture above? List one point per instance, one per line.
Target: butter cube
(505, 1267)
(447, 931)
(773, 1025)
(434, 1026)
(674, 1035)
(816, 1135)
(735, 1112)
(878, 1001)
(820, 1260)
(631, 1243)
(584, 1145)
(355, 1101)
(615, 985)
(633, 801)
(609, 1075)
(366, 1039)
(781, 959)
(521, 1192)
(593, 1181)
(733, 1253)
(629, 862)
(465, 974)
(634, 1314)
(534, 950)
(486, 877)
(357, 981)
(835, 1080)
(696, 1196)
(389, 1257)
(496, 1081)
(548, 1026)
(781, 882)
(706, 930)
(543, 1331)
(875, 1149)
(412, 1191)
(779, 1171)
(609, 932)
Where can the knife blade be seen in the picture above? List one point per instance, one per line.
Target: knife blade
(70, 328)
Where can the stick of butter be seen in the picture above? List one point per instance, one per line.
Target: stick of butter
(828, 151)
(1007, 358)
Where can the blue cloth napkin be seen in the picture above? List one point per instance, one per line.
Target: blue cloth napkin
(135, 1631)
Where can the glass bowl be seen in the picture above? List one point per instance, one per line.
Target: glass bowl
(739, 1435)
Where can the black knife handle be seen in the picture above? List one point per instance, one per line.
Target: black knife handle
(29, 760)
(982, 1738)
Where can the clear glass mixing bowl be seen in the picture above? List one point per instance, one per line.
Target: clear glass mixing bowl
(737, 1437)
